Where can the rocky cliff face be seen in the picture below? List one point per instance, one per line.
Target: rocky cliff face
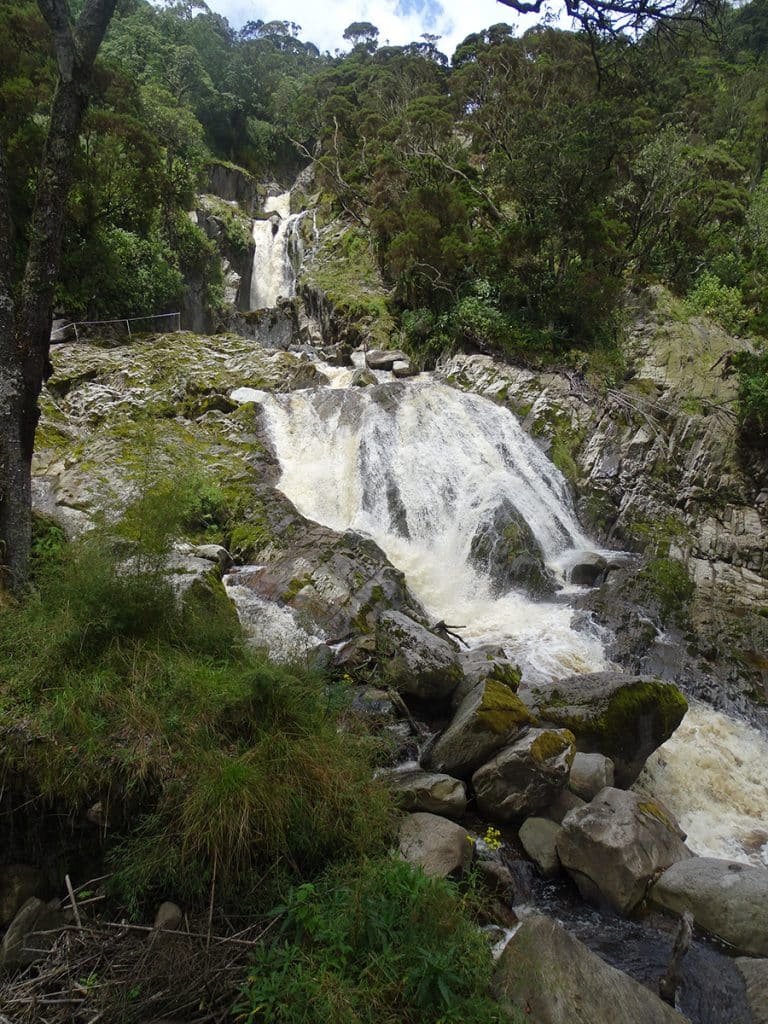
(655, 460)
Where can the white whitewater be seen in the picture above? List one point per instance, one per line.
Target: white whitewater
(274, 247)
(713, 775)
(418, 467)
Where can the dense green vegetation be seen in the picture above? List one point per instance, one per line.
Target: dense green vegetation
(511, 195)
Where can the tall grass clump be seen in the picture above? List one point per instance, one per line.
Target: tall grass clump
(379, 944)
(211, 765)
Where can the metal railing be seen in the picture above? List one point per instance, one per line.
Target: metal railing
(59, 334)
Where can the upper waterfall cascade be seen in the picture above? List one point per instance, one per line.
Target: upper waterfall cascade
(276, 243)
(419, 467)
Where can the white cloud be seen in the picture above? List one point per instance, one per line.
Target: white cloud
(398, 21)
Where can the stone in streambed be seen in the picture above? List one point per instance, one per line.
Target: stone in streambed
(487, 661)
(726, 898)
(539, 840)
(525, 776)
(549, 977)
(18, 882)
(439, 846)
(488, 718)
(428, 791)
(381, 359)
(616, 845)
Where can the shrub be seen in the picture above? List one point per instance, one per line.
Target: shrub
(753, 396)
(724, 304)
(379, 944)
(211, 763)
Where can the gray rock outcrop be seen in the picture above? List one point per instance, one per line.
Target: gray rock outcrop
(525, 776)
(589, 774)
(548, 976)
(726, 898)
(614, 846)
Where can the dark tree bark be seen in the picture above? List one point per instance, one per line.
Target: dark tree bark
(616, 17)
(25, 321)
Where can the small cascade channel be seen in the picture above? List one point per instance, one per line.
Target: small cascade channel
(420, 467)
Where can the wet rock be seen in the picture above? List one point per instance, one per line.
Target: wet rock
(614, 846)
(403, 368)
(622, 716)
(755, 975)
(429, 791)
(487, 719)
(589, 774)
(213, 553)
(505, 549)
(525, 776)
(362, 378)
(379, 359)
(31, 933)
(726, 898)
(496, 876)
(539, 839)
(487, 661)
(18, 882)
(439, 846)
(414, 660)
(589, 570)
(548, 976)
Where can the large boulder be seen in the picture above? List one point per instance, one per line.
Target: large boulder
(624, 717)
(505, 549)
(439, 846)
(614, 846)
(726, 898)
(525, 776)
(486, 661)
(589, 570)
(428, 791)
(414, 660)
(487, 720)
(547, 976)
(539, 840)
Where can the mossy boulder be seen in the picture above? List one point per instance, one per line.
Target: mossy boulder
(487, 661)
(624, 717)
(488, 719)
(525, 776)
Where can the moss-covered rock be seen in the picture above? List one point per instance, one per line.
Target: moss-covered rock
(621, 716)
(487, 720)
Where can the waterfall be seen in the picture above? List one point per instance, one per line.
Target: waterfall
(276, 243)
(419, 467)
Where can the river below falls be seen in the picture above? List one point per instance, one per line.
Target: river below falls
(417, 466)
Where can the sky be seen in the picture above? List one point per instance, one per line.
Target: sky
(399, 21)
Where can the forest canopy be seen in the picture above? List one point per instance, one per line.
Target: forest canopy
(513, 192)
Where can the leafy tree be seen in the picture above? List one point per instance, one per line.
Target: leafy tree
(25, 313)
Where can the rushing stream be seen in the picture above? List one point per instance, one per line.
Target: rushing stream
(420, 467)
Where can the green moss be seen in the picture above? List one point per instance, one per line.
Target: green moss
(651, 808)
(508, 675)
(295, 585)
(670, 584)
(550, 744)
(501, 710)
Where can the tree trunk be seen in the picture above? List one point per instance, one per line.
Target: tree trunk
(25, 326)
